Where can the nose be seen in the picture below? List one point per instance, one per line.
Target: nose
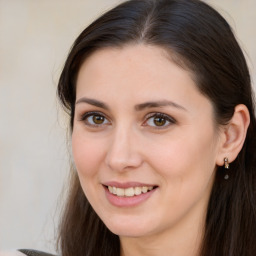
(123, 153)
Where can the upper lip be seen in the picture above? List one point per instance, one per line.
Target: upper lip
(127, 184)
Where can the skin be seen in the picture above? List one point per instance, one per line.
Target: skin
(179, 156)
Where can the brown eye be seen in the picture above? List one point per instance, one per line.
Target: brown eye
(159, 121)
(94, 119)
(98, 119)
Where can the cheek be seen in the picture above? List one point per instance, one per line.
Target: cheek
(86, 154)
(184, 156)
(186, 166)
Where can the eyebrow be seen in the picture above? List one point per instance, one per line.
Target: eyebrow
(93, 102)
(161, 103)
(138, 107)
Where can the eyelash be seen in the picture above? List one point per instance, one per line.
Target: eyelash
(163, 116)
(87, 115)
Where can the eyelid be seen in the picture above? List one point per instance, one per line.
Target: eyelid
(168, 118)
(88, 114)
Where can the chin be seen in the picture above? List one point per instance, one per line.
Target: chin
(129, 228)
(128, 232)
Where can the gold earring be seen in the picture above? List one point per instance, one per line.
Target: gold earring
(226, 163)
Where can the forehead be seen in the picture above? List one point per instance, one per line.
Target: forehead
(135, 72)
(138, 62)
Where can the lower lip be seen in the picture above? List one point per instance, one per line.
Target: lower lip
(123, 201)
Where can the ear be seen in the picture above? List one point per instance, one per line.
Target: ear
(233, 135)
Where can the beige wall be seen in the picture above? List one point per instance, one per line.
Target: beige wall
(34, 39)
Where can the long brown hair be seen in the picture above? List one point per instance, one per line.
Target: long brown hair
(200, 40)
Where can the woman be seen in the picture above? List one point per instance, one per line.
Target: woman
(163, 135)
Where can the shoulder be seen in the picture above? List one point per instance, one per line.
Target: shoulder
(34, 253)
(24, 252)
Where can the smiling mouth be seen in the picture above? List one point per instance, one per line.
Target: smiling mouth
(129, 192)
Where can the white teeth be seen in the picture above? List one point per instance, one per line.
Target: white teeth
(110, 189)
(137, 191)
(144, 189)
(128, 192)
(120, 192)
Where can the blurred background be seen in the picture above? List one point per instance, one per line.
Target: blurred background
(35, 37)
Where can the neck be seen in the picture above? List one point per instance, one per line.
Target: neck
(182, 240)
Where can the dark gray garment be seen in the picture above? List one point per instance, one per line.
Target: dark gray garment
(34, 253)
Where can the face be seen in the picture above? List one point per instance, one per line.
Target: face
(144, 141)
